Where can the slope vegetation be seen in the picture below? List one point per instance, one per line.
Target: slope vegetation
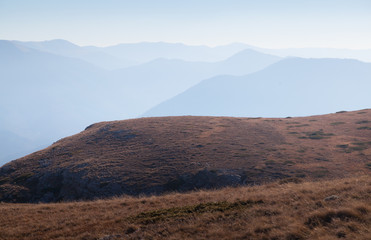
(336, 209)
(157, 155)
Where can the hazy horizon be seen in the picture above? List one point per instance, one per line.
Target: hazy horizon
(267, 24)
(73, 63)
(172, 119)
(183, 43)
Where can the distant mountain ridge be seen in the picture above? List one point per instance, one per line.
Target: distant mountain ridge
(55, 88)
(126, 55)
(67, 49)
(291, 87)
(162, 79)
(66, 93)
(129, 54)
(363, 55)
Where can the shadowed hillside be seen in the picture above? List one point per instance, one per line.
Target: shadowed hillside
(156, 155)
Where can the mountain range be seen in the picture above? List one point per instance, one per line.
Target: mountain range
(125, 55)
(129, 54)
(291, 87)
(55, 88)
(45, 96)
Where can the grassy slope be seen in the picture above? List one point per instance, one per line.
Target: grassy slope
(271, 211)
(142, 154)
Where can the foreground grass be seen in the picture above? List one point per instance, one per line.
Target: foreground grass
(285, 210)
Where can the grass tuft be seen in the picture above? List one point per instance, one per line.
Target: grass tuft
(327, 217)
(184, 211)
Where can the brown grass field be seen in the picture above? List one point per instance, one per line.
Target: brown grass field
(277, 210)
(159, 155)
(303, 178)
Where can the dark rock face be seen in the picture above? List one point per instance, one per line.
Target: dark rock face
(210, 179)
(64, 185)
(68, 185)
(14, 193)
(204, 179)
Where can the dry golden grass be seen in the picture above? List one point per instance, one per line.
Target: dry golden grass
(273, 211)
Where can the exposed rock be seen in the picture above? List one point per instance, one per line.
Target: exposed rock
(330, 198)
(111, 237)
(204, 179)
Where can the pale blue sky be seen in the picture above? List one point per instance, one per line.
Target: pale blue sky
(265, 23)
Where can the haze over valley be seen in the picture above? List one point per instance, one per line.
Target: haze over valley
(65, 87)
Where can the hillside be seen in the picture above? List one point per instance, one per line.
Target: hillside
(65, 93)
(290, 87)
(336, 209)
(157, 155)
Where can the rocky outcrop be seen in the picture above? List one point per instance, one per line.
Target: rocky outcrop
(68, 185)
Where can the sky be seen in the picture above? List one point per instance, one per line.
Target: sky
(263, 23)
